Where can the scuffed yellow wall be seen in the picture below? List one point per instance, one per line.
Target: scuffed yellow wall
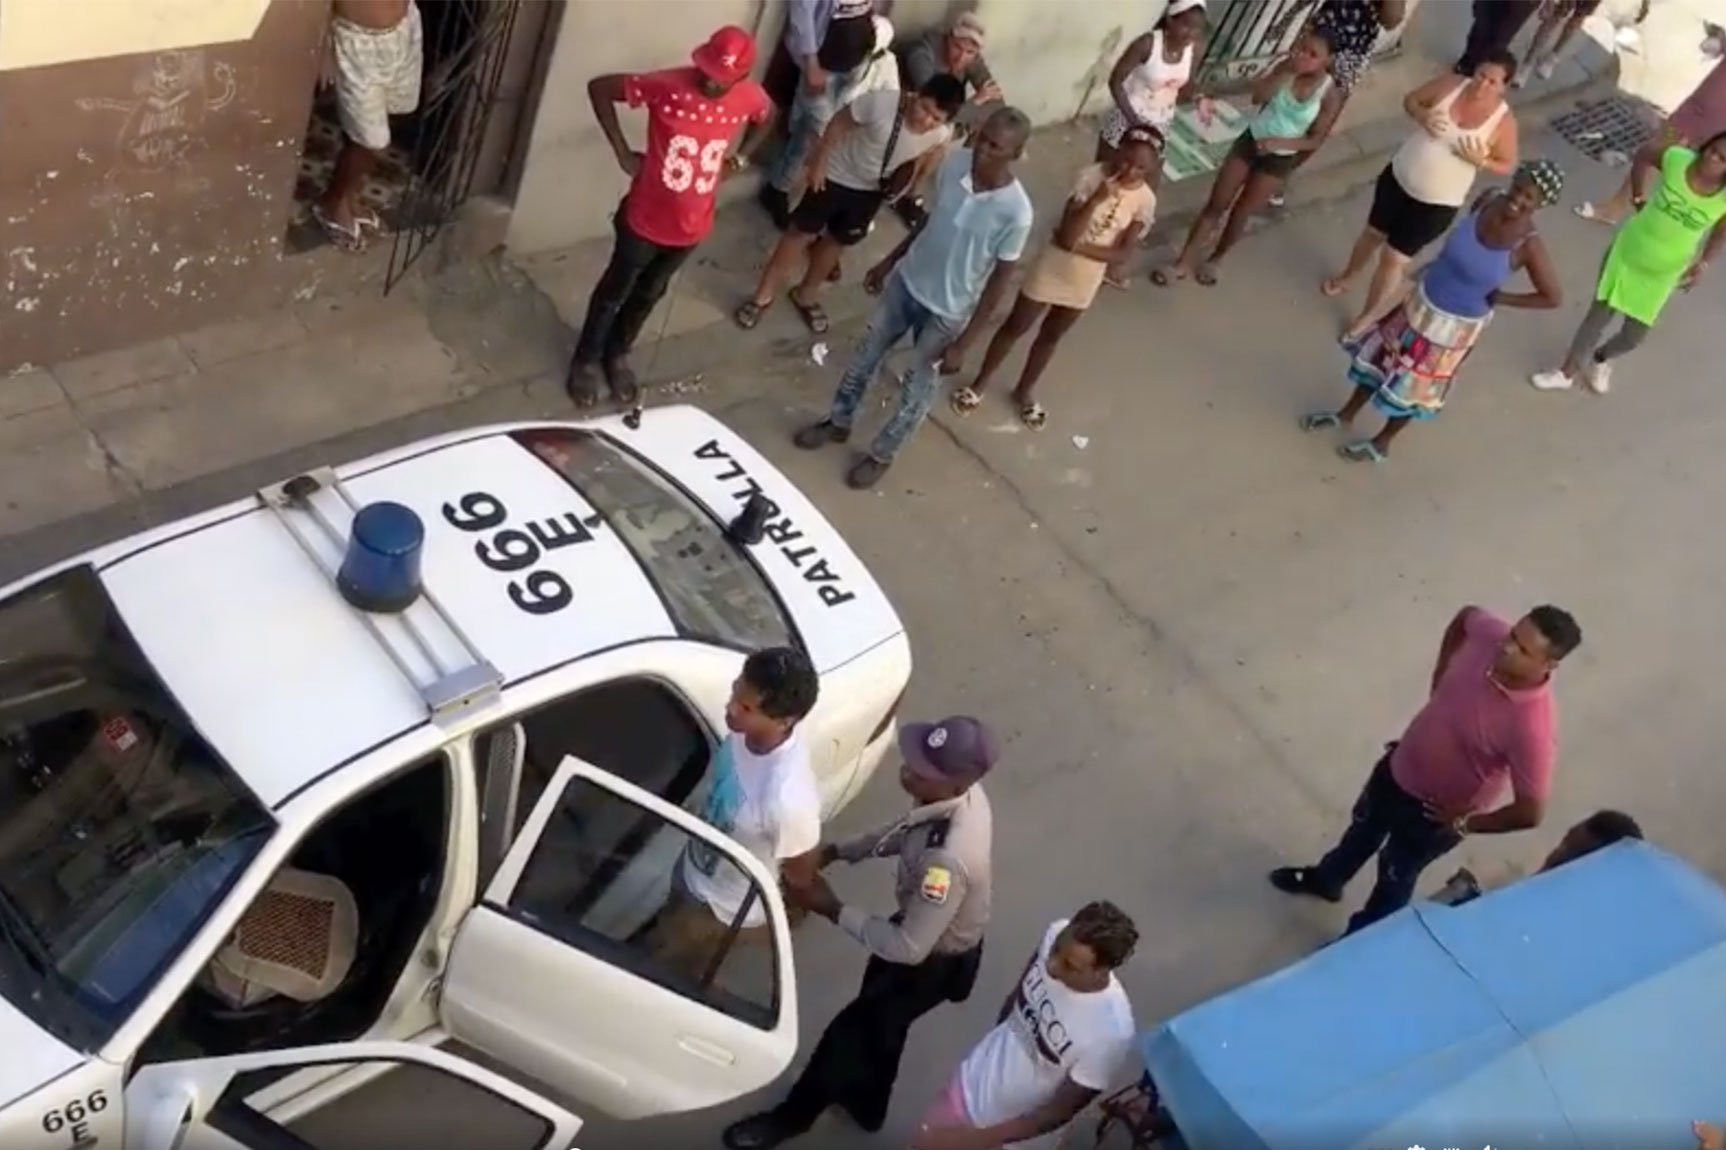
(34, 33)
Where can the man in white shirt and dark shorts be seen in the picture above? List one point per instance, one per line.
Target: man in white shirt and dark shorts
(764, 796)
(1065, 1035)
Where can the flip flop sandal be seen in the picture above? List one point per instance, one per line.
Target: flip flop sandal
(1313, 421)
(813, 314)
(1362, 452)
(1119, 283)
(1034, 416)
(1167, 277)
(371, 220)
(1587, 211)
(1206, 276)
(1330, 287)
(347, 239)
(965, 401)
(749, 314)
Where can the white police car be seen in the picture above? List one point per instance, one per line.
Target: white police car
(259, 846)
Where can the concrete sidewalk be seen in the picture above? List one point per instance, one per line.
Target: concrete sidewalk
(118, 428)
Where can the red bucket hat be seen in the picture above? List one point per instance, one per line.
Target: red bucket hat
(727, 57)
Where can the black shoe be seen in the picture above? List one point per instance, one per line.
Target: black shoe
(777, 205)
(818, 435)
(581, 383)
(865, 473)
(1299, 880)
(620, 377)
(758, 1132)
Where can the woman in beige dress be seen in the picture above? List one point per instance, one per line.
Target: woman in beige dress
(1111, 207)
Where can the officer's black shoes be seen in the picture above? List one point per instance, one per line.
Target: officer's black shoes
(758, 1132)
(1299, 880)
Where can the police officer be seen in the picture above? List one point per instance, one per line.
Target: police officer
(928, 952)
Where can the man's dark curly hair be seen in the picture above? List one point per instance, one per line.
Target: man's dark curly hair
(787, 683)
(1106, 929)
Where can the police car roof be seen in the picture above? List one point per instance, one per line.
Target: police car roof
(286, 680)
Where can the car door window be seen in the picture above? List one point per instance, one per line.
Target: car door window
(603, 877)
(636, 729)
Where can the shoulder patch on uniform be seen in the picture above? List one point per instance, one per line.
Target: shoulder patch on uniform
(937, 881)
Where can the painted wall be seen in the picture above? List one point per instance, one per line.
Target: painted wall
(146, 192)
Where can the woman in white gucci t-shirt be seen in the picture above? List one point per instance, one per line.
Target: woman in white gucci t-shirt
(1065, 1036)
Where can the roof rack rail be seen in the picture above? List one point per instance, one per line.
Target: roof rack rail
(318, 511)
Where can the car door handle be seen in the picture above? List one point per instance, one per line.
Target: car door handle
(707, 1051)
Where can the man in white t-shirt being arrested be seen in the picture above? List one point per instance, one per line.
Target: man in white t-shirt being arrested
(1065, 1034)
(765, 798)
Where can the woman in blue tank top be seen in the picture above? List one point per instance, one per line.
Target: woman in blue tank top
(1406, 363)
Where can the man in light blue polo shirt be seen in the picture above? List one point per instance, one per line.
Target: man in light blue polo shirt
(941, 285)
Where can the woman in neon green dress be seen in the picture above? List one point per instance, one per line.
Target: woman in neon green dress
(1680, 198)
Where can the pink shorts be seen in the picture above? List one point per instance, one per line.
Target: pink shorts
(948, 1110)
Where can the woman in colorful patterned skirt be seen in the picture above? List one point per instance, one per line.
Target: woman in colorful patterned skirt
(1405, 365)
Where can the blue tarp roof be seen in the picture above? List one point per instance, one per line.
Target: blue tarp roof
(1581, 1008)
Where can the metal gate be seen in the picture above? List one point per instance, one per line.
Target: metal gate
(1249, 36)
(466, 45)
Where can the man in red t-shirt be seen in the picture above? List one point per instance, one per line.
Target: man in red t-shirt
(693, 115)
(1488, 722)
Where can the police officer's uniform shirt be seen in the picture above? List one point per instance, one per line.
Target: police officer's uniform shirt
(943, 883)
(1051, 1033)
(768, 804)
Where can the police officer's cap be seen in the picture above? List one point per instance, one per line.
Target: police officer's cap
(956, 749)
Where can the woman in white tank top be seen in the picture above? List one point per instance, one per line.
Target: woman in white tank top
(1153, 75)
(1466, 128)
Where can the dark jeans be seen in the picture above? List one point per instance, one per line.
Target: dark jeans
(857, 1060)
(1391, 823)
(1496, 23)
(633, 283)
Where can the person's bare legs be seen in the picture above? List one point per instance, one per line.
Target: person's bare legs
(1255, 194)
(1226, 188)
(341, 199)
(1356, 400)
(1020, 320)
(781, 266)
(1387, 280)
(1056, 324)
(1365, 245)
(823, 258)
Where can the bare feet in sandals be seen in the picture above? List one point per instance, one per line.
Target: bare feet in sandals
(750, 313)
(1033, 414)
(1332, 286)
(814, 316)
(1173, 274)
(1206, 276)
(965, 401)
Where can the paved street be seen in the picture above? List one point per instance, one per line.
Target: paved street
(1194, 626)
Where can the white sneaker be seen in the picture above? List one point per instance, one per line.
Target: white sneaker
(1598, 377)
(1553, 380)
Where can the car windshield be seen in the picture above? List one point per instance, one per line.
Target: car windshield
(712, 589)
(120, 829)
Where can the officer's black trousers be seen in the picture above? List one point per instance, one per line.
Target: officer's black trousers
(857, 1060)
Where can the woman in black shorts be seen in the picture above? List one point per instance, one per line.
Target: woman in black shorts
(1465, 128)
(1296, 105)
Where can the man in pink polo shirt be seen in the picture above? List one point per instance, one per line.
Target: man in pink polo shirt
(1488, 722)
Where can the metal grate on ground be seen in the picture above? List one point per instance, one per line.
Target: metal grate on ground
(1601, 127)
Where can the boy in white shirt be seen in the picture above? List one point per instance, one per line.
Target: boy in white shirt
(764, 796)
(1065, 1035)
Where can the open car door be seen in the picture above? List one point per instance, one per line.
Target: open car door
(426, 1098)
(585, 970)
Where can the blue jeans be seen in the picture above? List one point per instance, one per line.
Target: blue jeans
(1393, 824)
(810, 112)
(898, 314)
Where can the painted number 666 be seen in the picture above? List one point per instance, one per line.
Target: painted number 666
(75, 1112)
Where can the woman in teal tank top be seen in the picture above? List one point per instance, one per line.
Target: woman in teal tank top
(1296, 106)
